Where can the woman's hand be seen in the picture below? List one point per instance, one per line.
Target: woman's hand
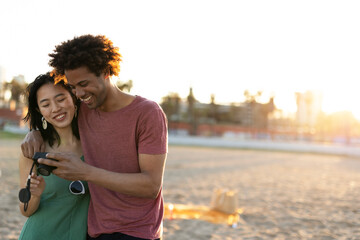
(37, 185)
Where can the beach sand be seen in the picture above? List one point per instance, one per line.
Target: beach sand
(283, 195)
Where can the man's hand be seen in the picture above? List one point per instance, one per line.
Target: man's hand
(33, 142)
(69, 166)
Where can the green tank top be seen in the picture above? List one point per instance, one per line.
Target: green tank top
(61, 215)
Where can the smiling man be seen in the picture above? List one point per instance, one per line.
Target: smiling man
(124, 140)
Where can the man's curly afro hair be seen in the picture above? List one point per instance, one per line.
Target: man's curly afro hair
(97, 53)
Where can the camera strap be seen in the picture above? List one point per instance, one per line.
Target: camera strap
(24, 193)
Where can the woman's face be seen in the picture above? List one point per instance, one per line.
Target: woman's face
(56, 105)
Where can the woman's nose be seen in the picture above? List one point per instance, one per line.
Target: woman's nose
(56, 107)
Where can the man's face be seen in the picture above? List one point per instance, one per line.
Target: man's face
(89, 88)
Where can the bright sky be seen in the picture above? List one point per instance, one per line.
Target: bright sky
(218, 47)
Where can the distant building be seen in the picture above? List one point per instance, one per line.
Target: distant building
(2, 82)
(192, 115)
(12, 117)
(2, 77)
(308, 108)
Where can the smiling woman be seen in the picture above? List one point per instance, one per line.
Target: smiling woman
(45, 102)
(48, 201)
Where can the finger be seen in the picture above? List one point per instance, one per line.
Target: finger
(33, 178)
(39, 178)
(34, 186)
(30, 151)
(48, 162)
(58, 156)
(34, 181)
(38, 147)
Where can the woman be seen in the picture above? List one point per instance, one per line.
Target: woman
(57, 208)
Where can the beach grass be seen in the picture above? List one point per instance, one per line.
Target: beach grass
(9, 135)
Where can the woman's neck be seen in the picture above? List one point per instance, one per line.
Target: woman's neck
(68, 142)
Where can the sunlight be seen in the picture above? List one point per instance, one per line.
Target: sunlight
(274, 48)
(336, 100)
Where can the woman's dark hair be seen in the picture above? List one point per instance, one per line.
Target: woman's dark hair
(34, 116)
(97, 53)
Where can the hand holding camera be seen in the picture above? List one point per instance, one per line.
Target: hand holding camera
(43, 169)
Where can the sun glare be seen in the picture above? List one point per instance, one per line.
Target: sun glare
(339, 101)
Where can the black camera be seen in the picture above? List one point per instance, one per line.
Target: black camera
(43, 169)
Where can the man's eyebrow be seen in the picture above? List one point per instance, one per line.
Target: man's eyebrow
(79, 83)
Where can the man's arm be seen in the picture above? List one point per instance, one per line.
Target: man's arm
(146, 184)
(33, 142)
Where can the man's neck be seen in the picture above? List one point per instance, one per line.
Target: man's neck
(116, 99)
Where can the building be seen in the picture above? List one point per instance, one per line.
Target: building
(198, 118)
(2, 82)
(308, 109)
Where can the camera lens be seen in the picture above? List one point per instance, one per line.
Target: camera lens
(44, 170)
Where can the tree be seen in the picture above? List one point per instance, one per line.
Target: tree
(192, 112)
(252, 97)
(171, 105)
(17, 90)
(124, 86)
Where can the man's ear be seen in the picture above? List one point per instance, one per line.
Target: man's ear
(106, 74)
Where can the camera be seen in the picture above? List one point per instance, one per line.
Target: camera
(43, 169)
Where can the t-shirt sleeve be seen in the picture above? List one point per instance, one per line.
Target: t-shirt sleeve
(152, 137)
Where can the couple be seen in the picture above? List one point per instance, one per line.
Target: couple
(110, 144)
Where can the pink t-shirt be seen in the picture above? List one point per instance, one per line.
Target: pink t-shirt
(112, 141)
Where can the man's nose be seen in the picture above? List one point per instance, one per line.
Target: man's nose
(79, 93)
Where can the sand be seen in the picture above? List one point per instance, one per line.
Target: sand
(284, 195)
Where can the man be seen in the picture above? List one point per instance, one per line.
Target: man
(124, 141)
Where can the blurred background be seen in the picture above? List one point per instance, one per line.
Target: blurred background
(276, 70)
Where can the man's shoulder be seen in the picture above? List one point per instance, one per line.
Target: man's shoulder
(146, 103)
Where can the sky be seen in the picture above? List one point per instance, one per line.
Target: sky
(216, 47)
